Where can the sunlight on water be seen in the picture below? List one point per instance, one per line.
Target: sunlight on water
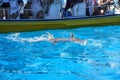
(33, 56)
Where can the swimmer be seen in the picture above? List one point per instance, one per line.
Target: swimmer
(71, 39)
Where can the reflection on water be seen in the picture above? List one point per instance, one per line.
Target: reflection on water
(24, 57)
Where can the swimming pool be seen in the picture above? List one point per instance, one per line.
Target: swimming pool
(23, 57)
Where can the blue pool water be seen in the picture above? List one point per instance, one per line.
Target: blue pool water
(24, 57)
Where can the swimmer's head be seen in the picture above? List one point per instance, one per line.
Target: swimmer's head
(71, 35)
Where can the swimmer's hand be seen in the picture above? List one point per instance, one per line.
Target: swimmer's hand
(84, 42)
(50, 36)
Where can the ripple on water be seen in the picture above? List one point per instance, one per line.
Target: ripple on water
(24, 57)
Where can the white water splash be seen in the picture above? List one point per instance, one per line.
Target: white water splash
(45, 37)
(16, 37)
(64, 55)
(95, 43)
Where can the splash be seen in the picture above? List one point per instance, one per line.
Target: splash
(16, 37)
(44, 37)
(95, 43)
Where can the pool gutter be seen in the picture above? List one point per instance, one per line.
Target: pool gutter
(33, 25)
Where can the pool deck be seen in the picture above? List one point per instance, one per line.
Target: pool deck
(33, 25)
